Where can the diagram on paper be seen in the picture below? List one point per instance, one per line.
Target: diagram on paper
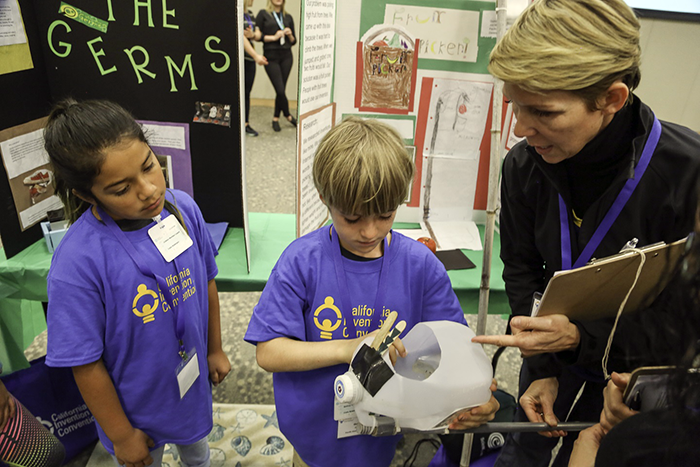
(457, 120)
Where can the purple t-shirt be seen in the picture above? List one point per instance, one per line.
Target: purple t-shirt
(102, 307)
(295, 304)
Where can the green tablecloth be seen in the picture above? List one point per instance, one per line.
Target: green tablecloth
(23, 279)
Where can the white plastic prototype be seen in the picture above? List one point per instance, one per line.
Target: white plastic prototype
(443, 373)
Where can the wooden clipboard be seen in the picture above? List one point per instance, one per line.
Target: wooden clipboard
(597, 289)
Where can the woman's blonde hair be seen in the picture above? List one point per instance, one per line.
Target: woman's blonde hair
(583, 46)
(362, 168)
(270, 7)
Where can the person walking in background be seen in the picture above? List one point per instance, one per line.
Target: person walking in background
(277, 28)
(251, 58)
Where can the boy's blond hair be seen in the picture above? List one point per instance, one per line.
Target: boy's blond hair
(583, 46)
(363, 168)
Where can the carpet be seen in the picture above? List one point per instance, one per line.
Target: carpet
(243, 435)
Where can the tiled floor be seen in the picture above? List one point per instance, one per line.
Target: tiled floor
(270, 169)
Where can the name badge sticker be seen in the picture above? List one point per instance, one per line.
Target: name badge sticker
(348, 428)
(343, 411)
(187, 372)
(170, 238)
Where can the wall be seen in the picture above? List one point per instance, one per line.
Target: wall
(671, 70)
(262, 89)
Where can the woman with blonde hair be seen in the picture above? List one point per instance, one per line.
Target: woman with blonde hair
(277, 27)
(596, 170)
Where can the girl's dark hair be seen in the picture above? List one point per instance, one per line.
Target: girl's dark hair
(673, 331)
(76, 137)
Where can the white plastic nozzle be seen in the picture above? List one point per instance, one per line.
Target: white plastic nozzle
(347, 389)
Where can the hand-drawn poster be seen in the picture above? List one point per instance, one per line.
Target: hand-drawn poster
(457, 120)
(451, 136)
(386, 70)
(445, 34)
(449, 31)
(29, 172)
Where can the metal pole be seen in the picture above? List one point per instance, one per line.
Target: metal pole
(494, 169)
(509, 427)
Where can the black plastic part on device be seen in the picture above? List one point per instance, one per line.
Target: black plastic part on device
(371, 369)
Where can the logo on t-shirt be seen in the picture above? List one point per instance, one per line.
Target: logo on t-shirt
(327, 318)
(145, 303)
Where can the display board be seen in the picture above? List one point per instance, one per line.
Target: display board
(419, 66)
(173, 64)
(25, 98)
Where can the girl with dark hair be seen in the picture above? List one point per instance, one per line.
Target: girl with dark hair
(133, 306)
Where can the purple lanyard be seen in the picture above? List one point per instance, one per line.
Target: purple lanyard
(248, 20)
(147, 271)
(343, 286)
(614, 210)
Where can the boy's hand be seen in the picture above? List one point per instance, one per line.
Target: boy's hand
(7, 406)
(132, 451)
(477, 416)
(396, 350)
(219, 366)
(348, 346)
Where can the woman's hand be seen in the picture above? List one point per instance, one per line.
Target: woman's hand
(132, 450)
(538, 404)
(533, 336)
(614, 408)
(287, 32)
(586, 447)
(279, 34)
(7, 406)
(219, 366)
(477, 416)
(260, 60)
(248, 33)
